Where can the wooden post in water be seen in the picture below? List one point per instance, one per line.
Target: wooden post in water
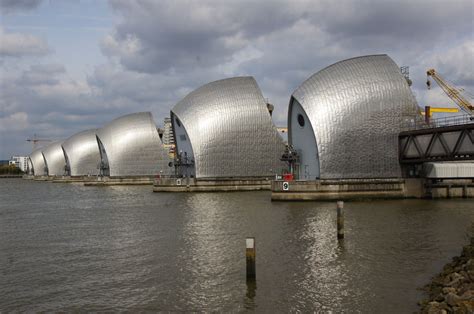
(340, 220)
(250, 256)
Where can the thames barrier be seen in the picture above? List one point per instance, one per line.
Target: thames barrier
(355, 131)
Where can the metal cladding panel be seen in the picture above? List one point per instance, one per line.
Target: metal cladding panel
(30, 166)
(37, 160)
(54, 157)
(357, 108)
(83, 154)
(230, 130)
(133, 146)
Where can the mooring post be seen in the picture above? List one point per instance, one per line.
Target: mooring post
(250, 256)
(340, 220)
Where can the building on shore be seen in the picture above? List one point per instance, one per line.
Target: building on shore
(54, 159)
(224, 130)
(20, 162)
(129, 146)
(344, 120)
(81, 152)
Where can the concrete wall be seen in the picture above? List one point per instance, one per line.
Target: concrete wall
(352, 189)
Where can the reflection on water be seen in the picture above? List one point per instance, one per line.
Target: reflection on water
(66, 247)
(249, 301)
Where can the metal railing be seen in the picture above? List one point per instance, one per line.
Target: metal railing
(417, 124)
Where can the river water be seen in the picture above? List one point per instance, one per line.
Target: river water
(66, 247)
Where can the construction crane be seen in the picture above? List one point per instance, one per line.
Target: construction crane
(36, 140)
(430, 110)
(451, 91)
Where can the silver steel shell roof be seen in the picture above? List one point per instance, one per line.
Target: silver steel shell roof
(54, 158)
(356, 108)
(230, 130)
(82, 152)
(30, 166)
(37, 161)
(133, 146)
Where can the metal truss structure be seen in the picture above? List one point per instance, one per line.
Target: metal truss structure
(449, 143)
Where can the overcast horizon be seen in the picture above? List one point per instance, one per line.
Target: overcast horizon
(70, 65)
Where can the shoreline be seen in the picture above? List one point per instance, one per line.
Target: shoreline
(452, 290)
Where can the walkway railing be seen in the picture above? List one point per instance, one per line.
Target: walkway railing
(418, 124)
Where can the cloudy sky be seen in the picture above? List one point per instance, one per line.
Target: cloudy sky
(71, 65)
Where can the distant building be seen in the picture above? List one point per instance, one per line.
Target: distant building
(19, 162)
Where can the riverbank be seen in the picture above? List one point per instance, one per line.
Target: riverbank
(10, 176)
(452, 291)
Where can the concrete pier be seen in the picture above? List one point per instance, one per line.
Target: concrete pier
(210, 185)
(67, 179)
(318, 190)
(450, 189)
(359, 189)
(41, 178)
(107, 181)
(333, 190)
(94, 180)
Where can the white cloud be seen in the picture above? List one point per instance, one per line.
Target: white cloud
(19, 45)
(126, 47)
(457, 62)
(17, 121)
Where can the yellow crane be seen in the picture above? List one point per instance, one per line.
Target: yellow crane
(430, 110)
(451, 91)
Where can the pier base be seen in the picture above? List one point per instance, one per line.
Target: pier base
(449, 188)
(107, 181)
(360, 189)
(333, 190)
(95, 180)
(210, 185)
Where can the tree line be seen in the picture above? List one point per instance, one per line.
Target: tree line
(10, 169)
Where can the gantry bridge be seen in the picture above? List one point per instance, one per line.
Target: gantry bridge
(445, 139)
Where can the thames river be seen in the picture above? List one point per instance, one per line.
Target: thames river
(66, 247)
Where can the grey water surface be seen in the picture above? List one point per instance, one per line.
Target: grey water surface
(66, 247)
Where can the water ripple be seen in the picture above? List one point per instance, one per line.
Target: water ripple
(66, 247)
